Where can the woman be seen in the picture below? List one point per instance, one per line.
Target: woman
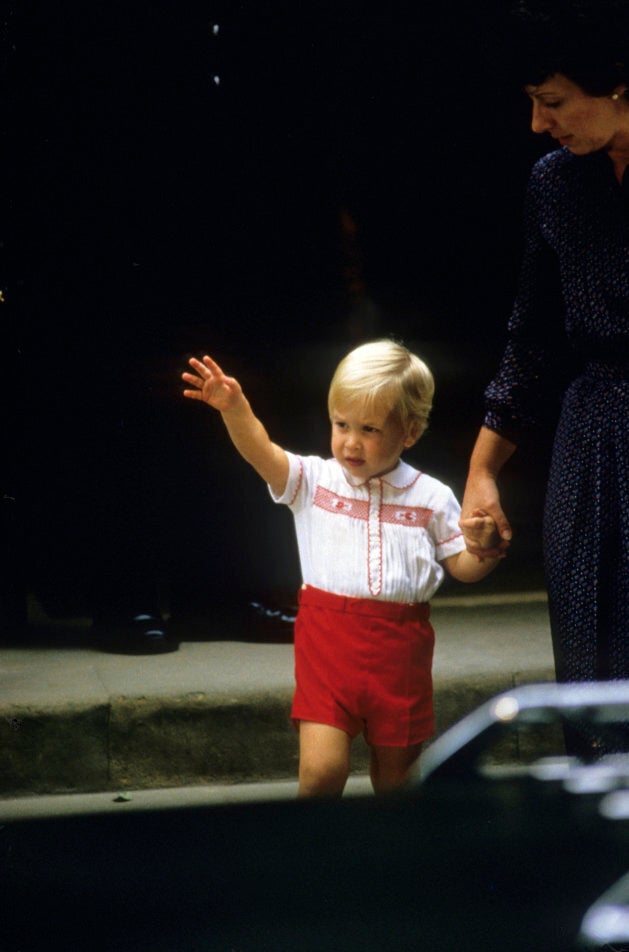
(573, 304)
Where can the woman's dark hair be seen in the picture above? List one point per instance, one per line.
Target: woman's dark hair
(585, 40)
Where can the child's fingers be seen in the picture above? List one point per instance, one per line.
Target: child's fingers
(475, 522)
(194, 362)
(197, 382)
(212, 366)
(205, 369)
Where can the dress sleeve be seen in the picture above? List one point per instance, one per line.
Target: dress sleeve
(519, 396)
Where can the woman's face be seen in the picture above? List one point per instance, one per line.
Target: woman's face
(580, 122)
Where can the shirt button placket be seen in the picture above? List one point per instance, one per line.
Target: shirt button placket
(375, 537)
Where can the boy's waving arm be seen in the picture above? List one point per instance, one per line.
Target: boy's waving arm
(210, 385)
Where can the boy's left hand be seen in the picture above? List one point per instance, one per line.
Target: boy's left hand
(481, 529)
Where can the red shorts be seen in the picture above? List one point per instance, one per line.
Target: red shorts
(363, 665)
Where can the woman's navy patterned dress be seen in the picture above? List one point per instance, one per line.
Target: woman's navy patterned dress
(573, 298)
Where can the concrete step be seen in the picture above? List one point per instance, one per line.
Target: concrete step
(75, 719)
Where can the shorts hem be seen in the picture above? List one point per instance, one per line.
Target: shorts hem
(414, 739)
(410, 743)
(329, 722)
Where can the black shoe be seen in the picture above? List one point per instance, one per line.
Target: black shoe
(140, 634)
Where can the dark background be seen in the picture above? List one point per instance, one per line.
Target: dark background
(305, 177)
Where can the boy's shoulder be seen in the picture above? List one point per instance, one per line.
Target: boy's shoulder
(313, 469)
(314, 463)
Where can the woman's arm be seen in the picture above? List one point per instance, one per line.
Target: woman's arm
(517, 400)
(247, 432)
(489, 455)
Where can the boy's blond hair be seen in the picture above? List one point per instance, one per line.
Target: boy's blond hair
(387, 375)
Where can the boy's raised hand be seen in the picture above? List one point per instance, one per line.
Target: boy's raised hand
(211, 385)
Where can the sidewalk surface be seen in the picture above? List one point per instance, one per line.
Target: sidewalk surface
(76, 719)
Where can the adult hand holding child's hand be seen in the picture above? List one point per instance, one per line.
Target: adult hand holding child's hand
(481, 536)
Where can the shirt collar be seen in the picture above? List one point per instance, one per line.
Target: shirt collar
(401, 477)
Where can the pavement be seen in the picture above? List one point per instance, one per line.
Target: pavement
(215, 714)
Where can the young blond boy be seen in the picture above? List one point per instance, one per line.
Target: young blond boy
(375, 536)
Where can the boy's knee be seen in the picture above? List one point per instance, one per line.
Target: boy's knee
(321, 776)
(321, 779)
(323, 759)
(390, 766)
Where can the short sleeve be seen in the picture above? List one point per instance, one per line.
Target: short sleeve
(444, 526)
(293, 483)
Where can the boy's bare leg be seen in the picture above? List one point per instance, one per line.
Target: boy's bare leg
(390, 766)
(324, 754)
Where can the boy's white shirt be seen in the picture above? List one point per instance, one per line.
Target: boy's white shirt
(384, 538)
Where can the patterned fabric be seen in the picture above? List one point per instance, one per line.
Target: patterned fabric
(573, 301)
(381, 539)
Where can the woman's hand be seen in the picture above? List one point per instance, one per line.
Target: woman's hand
(481, 535)
(489, 455)
(484, 539)
(211, 385)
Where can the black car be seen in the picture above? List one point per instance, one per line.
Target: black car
(477, 854)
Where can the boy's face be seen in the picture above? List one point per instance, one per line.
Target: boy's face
(367, 442)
